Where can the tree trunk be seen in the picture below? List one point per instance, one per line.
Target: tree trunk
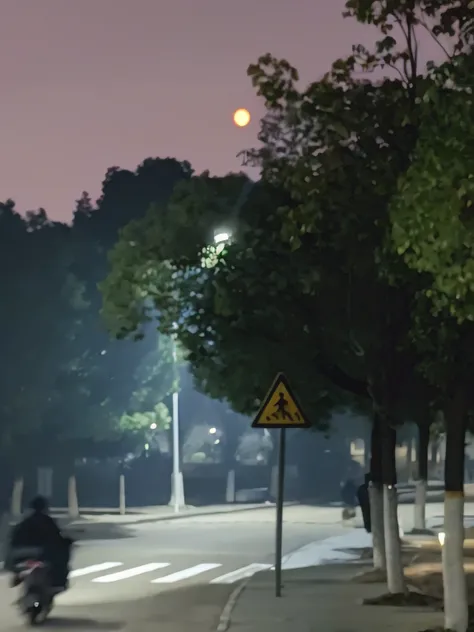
(395, 577)
(376, 496)
(421, 483)
(454, 579)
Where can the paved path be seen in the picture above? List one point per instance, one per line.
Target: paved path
(322, 599)
(169, 574)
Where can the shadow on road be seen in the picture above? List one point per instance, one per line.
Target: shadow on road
(78, 623)
(102, 531)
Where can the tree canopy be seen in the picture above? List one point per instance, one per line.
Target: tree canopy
(66, 380)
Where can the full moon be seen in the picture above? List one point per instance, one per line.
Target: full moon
(241, 117)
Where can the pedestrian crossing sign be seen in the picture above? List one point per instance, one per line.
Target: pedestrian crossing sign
(280, 408)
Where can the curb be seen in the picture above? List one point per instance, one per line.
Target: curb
(183, 516)
(226, 614)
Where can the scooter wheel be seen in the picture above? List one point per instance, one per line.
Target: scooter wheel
(37, 615)
(33, 616)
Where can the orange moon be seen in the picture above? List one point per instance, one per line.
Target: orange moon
(241, 117)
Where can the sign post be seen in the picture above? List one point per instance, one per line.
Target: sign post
(279, 510)
(280, 410)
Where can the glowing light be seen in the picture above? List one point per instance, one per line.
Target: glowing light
(153, 426)
(212, 430)
(221, 238)
(241, 117)
(441, 537)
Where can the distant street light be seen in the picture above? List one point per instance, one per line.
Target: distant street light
(221, 237)
(153, 426)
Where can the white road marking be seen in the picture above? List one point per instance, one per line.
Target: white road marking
(185, 573)
(240, 573)
(95, 568)
(131, 572)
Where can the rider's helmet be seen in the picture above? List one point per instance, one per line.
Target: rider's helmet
(39, 504)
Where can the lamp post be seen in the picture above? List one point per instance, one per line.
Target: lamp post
(177, 486)
(177, 500)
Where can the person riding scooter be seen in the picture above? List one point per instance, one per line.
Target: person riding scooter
(40, 531)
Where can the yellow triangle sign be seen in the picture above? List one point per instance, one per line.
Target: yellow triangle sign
(280, 408)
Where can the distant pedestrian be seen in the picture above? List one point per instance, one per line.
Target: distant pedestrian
(364, 503)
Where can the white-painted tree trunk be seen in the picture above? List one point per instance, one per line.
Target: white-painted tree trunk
(376, 519)
(454, 579)
(72, 502)
(230, 488)
(395, 578)
(420, 505)
(122, 505)
(17, 497)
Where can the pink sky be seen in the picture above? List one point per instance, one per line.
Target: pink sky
(95, 83)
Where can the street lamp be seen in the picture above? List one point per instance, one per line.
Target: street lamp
(221, 237)
(177, 486)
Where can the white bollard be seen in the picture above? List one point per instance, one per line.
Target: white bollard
(17, 497)
(122, 506)
(72, 501)
(230, 489)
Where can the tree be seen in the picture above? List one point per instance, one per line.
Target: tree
(233, 354)
(350, 135)
(346, 131)
(36, 322)
(82, 387)
(433, 233)
(115, 384)
(160, 270)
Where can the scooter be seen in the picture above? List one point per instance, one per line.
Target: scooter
(37, 598)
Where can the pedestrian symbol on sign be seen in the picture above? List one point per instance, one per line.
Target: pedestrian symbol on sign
(280, 408)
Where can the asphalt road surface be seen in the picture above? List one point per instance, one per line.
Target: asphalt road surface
(171, 576)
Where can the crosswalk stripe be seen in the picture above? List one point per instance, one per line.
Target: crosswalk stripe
(240, 573)
(131, 572)
(95, 568)
(185, 573)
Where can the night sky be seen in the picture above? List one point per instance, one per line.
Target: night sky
(88, 84)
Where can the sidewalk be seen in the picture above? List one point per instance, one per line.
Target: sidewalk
(321, 598)
(142, 515)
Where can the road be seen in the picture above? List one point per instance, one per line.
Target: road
(176, 574)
